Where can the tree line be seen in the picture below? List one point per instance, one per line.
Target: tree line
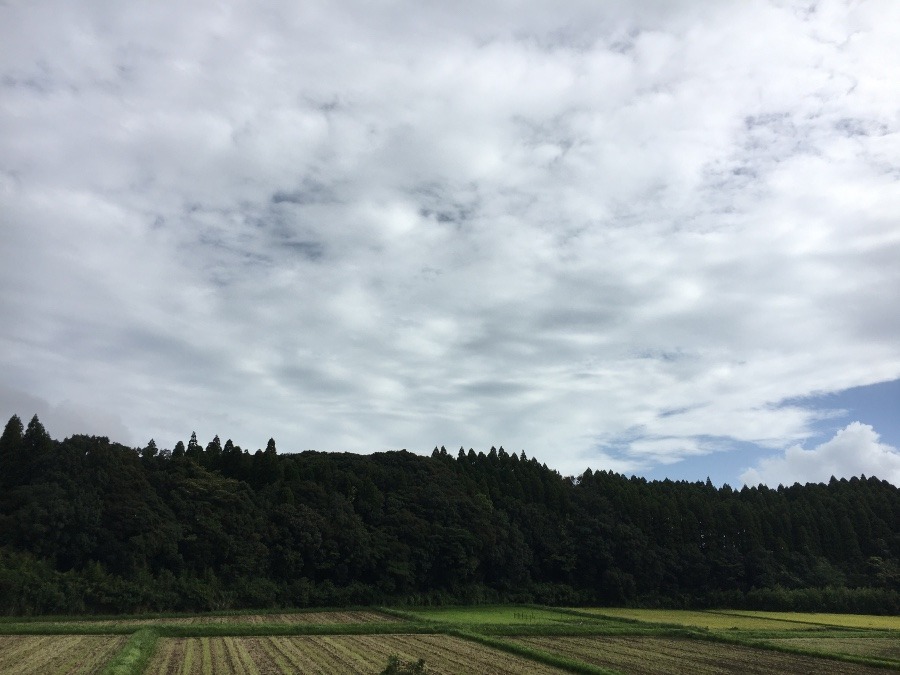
(89, 525)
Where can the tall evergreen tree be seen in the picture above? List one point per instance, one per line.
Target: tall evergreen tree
(194, 451)
(178, 452)
(11, 451)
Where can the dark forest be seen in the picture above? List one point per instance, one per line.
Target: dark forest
(91, 526)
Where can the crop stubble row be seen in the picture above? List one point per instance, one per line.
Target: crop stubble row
(657, 656)
(331, 655)
(286, 618)
(880, 647)
(57, 654)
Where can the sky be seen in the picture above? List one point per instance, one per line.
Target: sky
(659, 237)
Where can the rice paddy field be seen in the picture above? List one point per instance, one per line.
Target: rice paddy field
(57, 654)
(324, 618)
(497, 615)
(332, 654)
(711, 620)
(839, 620)
(481, 639)
(880, 647)
(659, 656)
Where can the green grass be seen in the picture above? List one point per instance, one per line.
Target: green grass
(135, 655)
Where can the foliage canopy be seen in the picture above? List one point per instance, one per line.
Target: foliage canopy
(89, 525)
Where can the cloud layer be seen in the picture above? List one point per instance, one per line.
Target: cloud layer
(855, 450)
(610, 237)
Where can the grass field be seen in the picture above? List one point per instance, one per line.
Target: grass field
(479, 639)
(839, 620)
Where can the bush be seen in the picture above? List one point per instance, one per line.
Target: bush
(397, 667)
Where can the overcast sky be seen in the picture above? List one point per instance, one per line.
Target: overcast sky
(631, 236)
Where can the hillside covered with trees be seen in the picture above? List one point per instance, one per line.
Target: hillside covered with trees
(88, 525)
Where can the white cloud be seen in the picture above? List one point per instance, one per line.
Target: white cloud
(855, 450)
(602, 235)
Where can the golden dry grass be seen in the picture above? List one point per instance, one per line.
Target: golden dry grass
(700, 619)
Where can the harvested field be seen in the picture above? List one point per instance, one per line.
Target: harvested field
(282, 618)
(51, 654)
(334, 655)
(498, 615)
(701, 619)
(659, 656)
(321, 617)
(879, 648)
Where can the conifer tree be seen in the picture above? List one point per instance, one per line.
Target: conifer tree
(10, 449)
(194, 450)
